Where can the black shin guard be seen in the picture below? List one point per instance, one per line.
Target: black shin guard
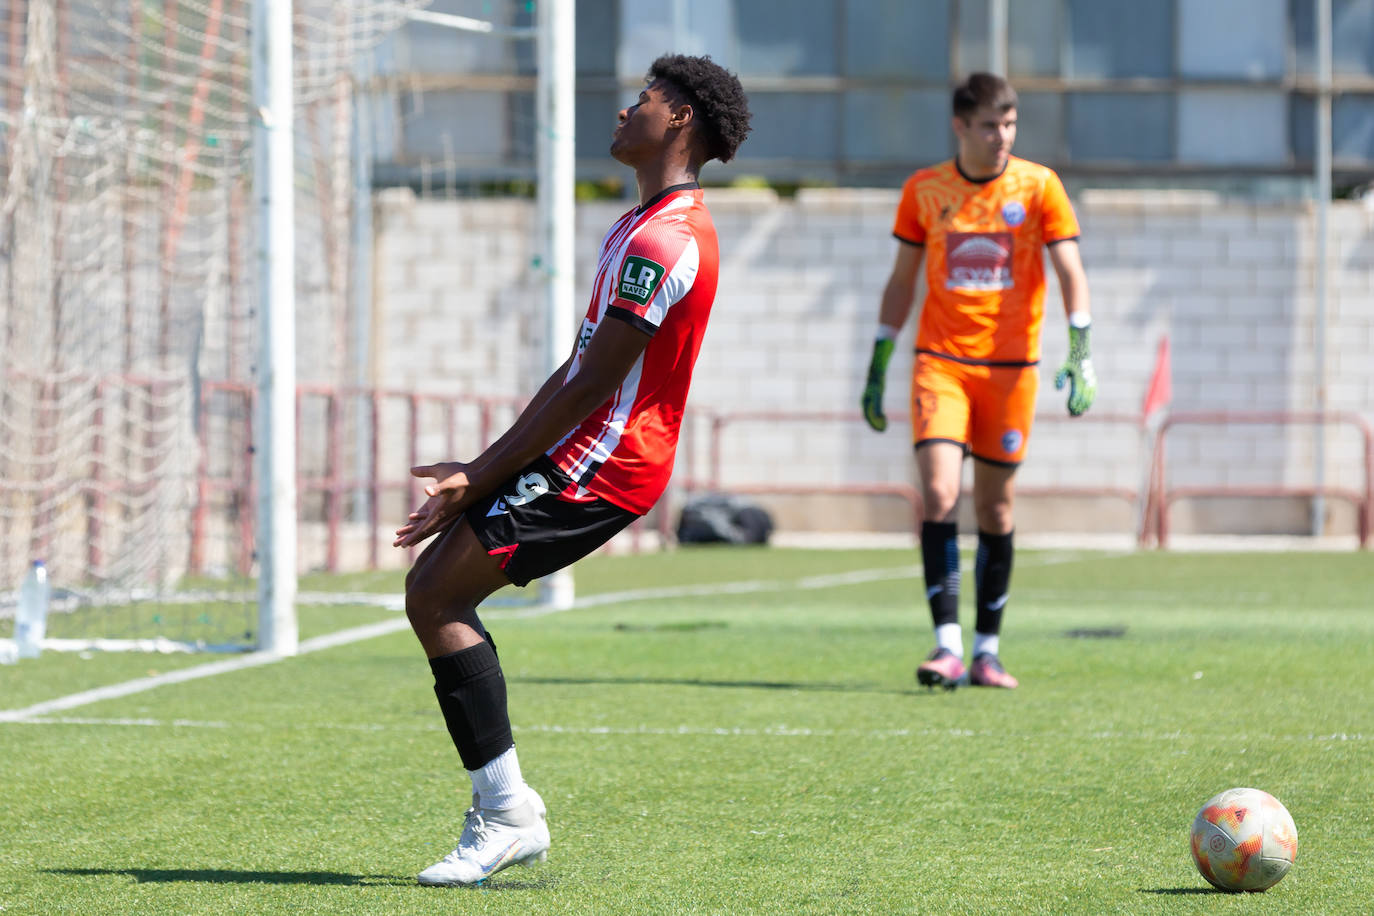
(993, 573)
(472, 694)
(940, 557)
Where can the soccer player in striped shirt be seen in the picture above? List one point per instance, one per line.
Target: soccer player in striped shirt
(590, 453)
(981, 222)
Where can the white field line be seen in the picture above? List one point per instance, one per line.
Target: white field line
(370, 631)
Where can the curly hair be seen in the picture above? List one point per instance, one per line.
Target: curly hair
(714, 93)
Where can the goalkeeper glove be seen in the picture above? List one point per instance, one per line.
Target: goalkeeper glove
(872, 400)
(1078, 372)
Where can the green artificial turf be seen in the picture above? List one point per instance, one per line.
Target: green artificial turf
(746, 737)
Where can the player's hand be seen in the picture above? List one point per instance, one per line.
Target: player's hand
(872, 400)
(445, 503)
(1078, 372)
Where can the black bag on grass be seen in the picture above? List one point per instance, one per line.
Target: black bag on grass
(722, 519)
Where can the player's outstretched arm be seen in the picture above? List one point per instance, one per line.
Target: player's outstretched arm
(610, 355)
(893, 313)
(1077, 370)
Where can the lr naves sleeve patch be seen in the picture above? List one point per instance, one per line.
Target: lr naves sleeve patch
(639, 277)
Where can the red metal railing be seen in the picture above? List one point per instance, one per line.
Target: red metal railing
(1161, 496)
(334, 483)
(719, 422)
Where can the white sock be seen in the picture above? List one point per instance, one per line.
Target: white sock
(950, 636)
(498, 783)
(984, 642)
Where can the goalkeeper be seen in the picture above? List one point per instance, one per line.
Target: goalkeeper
(980, 223)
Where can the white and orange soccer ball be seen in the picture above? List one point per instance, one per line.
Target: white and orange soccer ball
(1244, 840)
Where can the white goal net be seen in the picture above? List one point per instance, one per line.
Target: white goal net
(128, 334)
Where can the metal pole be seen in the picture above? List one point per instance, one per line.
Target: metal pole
(361, 301)
(1323, 214)
(273, 189)
(997, 37)
(556, 96)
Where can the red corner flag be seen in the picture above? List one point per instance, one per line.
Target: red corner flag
(1161, 390)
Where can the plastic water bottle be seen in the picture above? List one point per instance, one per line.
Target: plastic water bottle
(31, 619)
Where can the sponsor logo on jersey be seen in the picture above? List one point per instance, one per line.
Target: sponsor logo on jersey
(1014, 212)
(978, 260)
(638, 279)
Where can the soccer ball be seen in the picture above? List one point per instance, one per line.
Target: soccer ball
(1244, 840)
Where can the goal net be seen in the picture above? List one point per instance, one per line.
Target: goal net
(128, 336)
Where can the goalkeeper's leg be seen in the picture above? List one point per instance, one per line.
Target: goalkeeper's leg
(992, 571)
(940, 464)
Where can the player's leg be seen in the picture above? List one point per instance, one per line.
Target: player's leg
(993, 492)
(940, 414)
(506, 823)
(1005, 405)
(521, 531)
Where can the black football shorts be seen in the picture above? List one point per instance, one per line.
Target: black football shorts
(533, 532)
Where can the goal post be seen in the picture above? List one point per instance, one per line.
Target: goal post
(274, 183)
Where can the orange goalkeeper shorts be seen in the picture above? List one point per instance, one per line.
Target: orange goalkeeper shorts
(986, 409)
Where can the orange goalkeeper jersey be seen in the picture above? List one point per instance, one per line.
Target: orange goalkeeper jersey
(985, 265)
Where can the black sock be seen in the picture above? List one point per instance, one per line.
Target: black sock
(472, 694)
(992, 571)
(940, 557)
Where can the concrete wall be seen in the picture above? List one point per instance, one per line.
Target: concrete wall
(458, 308)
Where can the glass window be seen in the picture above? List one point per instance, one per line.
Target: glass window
(1120, 127)
(1034, 37)
(1302, 114)
(437, 127)
(793, 125)
(1352, 36)
(1245, 39)
(897, 38)
(653, 27)
(1040, 126)
(1119, 39)
(972, 37)
(793, 39)
(1219, 127)
(593, 121)
(597, 37)
(431, 48)
(900, 125)
(1352, 129)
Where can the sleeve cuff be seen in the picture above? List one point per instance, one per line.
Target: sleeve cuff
(638, 322)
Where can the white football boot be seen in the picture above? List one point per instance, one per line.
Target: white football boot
(492, 840)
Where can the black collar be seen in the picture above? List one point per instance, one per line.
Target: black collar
(967, 177)
(686, 186)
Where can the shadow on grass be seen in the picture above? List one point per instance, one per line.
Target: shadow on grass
(701, 682)
(1179, 891)
(231, 876)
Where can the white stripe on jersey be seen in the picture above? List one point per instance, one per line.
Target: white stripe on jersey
(609, 437)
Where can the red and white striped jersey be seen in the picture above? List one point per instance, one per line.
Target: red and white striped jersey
(657, 270)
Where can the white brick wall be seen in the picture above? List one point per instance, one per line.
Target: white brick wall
(1230, 282)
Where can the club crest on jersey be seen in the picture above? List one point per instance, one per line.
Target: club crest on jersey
(1014, 212)
(1011, 441)
(638, 279)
